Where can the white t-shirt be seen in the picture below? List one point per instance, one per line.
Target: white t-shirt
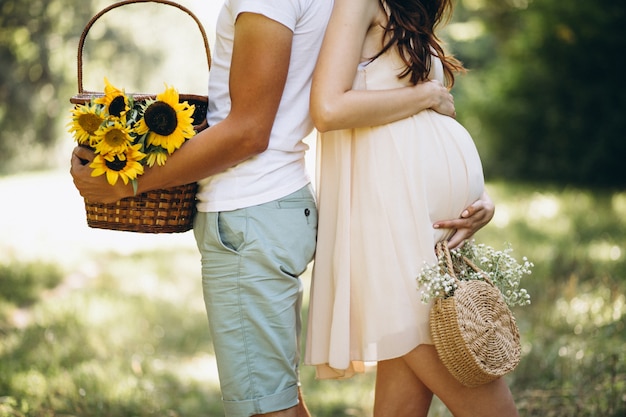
(280, 170)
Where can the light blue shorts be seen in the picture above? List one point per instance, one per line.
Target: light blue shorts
(251, 262)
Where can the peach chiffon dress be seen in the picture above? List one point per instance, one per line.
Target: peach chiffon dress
(380, 189)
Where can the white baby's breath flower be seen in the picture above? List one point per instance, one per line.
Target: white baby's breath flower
(503, 270)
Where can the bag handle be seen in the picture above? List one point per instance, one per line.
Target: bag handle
(442, 249)
(93, 20)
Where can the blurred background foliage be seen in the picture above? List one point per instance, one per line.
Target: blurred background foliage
(38, 67)
(544, 97)
(114, 323)
(88, 331)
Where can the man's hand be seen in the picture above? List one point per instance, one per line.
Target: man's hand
(95, 189)
(472, 219)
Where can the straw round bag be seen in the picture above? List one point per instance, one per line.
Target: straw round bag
(159, 211)
(474, 331)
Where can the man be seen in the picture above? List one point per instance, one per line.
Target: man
(257, 220)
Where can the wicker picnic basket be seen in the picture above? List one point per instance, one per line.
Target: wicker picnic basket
(474, 331)
(159, 211)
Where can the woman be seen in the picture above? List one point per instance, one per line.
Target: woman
(387, 173)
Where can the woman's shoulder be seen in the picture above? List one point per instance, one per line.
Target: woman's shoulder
(374, 38)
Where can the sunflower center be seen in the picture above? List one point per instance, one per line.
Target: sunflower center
(116, 164)
(117, 106)
(161, 118)
(89, 122)
(115, 137)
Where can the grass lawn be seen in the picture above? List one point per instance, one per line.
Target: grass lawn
(101, 323)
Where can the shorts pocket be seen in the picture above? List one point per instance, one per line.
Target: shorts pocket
(231, 226)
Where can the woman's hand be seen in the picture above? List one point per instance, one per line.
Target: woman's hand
(95, 189)
(472, 219)
(443, 101)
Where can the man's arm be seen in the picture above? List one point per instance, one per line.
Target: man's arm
(260, 63)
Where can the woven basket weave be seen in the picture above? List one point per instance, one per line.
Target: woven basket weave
(160, 211)
(474, 331)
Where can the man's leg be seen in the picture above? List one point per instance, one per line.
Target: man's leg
(252, 259)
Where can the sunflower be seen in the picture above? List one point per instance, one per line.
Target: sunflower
(123, 165)
(167, 122)
(156, 155)
(86, 121)
(113, 137)
(114, 100)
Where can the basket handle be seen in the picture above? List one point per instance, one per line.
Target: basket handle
(442, 249)
(93, 20)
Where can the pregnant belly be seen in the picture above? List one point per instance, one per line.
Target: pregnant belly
(452, 164)
(434, 158)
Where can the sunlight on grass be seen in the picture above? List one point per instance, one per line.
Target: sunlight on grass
(99, 323)
(597, 307)
(50, 224)
(619, 205)
(604, 251)
(543, 207)
(126, 328)
(540, 211)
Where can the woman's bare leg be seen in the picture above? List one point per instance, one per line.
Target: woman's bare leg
(399, 393)
(489, 400)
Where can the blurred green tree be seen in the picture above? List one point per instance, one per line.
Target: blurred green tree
(548, 103)
(35, 63)
(38, 51)
(544, 88)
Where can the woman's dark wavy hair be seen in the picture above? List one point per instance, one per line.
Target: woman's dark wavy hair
(411, 29)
